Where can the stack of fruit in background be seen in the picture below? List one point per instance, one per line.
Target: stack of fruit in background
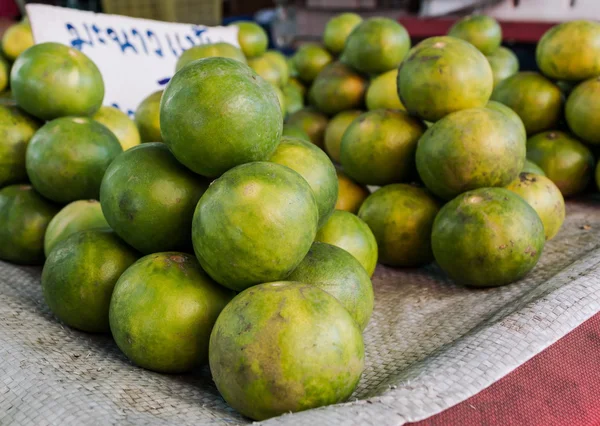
(207, 230)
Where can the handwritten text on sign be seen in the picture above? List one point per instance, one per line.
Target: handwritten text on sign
(136, 56)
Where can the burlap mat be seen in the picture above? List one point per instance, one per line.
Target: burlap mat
(430, 345)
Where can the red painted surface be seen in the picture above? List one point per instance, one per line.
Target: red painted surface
(8, 9)
(525, 32)
(560, 386)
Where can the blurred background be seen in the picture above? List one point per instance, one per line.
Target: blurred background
(289, 23)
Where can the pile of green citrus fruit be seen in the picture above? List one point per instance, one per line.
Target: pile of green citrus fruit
(206, 230)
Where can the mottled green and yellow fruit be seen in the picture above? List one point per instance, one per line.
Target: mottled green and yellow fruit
(281, 99)
(347, 231)
(338, 29)
(149, 198)
(442, 75)
(252, 38)
(565, 161)
(338, 88)
(293, 131)
(545, 198)
(24, 215)
(401, 217)
(16, 39)
(570, 51)
(264, 331)
(16, 130)
(533, 97)
(51, 80)
(4, 74)
(335, 130)
(120, 124)
(67, 157)
(293, 97)
(487, 237)
(80, 215)
(147, 118)
(280, 62)
(376, 45)
(162, 312)
(531, 167)
(268, 67)
(315, 167)
(338, 273)
(583, 109)
(312, 122)
(383, 92)
(272, 207)
(510, 113)
(309, 60)
(351, 195)
(504, 64)
(482, 31)
(470, 149)
(225, 136)
(378, 148)
(79, 277)
(223, 50)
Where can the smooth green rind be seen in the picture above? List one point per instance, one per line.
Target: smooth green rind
(487, 237)
(338, 88)
(293, 131)
(258, 350)
(254, 224)
(162, 311)
(16, 130)
(335, 130)
(338, 273)
(442, 75)
(222, 49)
(401, 217)
(583, 109)
(315, 167)
(120, 124)
(279, 61)
(79, 277)
(67, 157)
(570, 51)
(77, 216)
(217, 113)
(504, 64)
(147, 118)
(376, 45)
(383, 92)
(24, 216)
(312, 122)
(533, 97)
(149, 198)
(347, 231)
(378, 148)
(531, 167)
(309, 60)
(252, 38)
(338, 29)
(270, 68)
(51, 80)
(16, 39)
(497, 106)
(470, 149)
(294, 98)
(545, 198)
(481, 31)
(565, 161)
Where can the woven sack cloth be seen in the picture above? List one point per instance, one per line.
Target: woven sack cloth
(430, 345)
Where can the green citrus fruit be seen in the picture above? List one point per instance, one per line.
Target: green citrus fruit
(147, 118)
(481, 31)
(120, 124)
(338, 29)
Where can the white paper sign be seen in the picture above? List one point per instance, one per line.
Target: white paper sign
(136, 56)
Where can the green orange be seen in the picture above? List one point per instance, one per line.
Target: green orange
(120, 124)
(224, 50)
(347, 231)
(504, 64)
(79, 277)
(162, 312)
(309, 60)
(401, 217)
(67, 157)
(335, 130)
(481, 31)
(312, 122)
(378, 148)
(338, 29)
(51, 80)
(252, 38)
(258, 350)
(338, 88)
(24, 215)
(383, 92)
(351, 195)
(582, 110)
(147, 118)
